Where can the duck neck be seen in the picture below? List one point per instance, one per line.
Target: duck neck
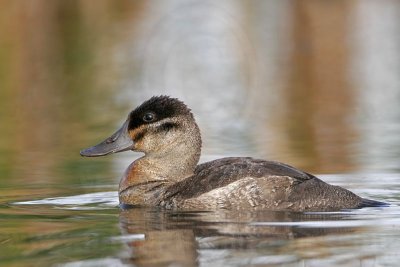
(149, 175)
(175, 160)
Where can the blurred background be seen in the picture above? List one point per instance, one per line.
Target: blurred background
(315, 84)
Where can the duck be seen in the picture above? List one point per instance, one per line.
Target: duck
(169, 175)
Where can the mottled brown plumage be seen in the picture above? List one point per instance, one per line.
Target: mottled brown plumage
(168, 175)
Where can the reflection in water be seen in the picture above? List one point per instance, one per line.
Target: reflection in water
(321, 131)
(90, 230)
(174, 237)
(298, 82)
(378, 83)
(177, 247)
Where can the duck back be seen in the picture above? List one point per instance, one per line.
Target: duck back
(247, 183)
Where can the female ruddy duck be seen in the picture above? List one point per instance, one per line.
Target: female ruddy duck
(168, 176)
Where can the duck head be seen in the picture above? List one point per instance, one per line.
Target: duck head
(161, 126)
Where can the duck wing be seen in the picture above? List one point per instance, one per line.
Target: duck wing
(221, 172)
(285, 188)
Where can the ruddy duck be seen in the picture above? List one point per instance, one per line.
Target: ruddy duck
(168, 176)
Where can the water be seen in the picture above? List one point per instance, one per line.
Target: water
(295, 81)
(90, 229)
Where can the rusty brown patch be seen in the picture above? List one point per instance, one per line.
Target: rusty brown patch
(134, 133)
(137, 135)
(130, 177)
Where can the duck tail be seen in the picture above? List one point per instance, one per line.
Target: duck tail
(371, 203)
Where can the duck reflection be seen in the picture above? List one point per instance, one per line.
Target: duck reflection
(177, 237)
(162, 243)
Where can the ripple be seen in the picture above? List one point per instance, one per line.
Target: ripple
(79, 202)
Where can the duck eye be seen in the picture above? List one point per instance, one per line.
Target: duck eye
(149, 117)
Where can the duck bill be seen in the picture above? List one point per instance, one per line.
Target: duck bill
(118, 142)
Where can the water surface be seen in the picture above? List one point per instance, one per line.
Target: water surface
(73, 228)
(313, 84)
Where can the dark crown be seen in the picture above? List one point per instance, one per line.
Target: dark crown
(161, 106)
